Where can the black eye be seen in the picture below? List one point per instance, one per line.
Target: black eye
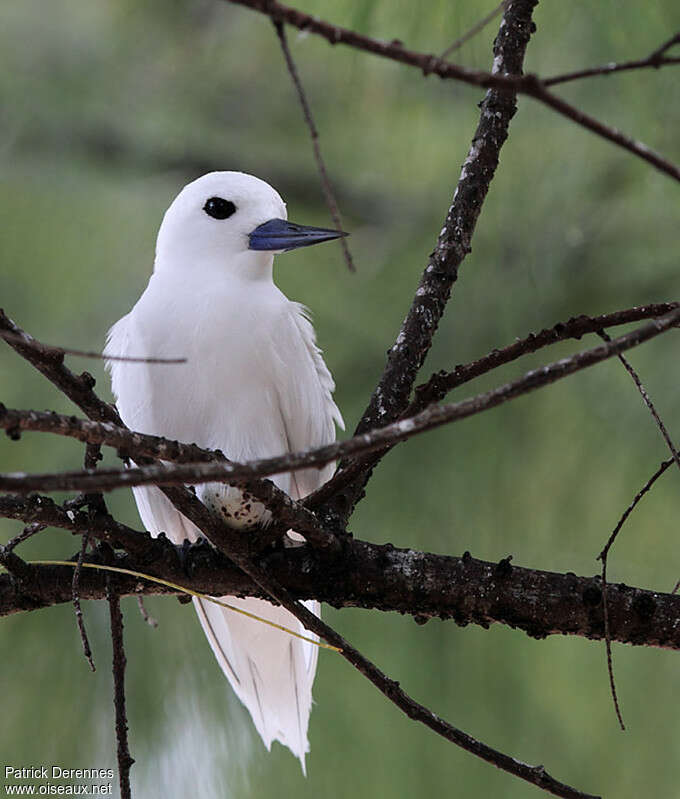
(219, 208)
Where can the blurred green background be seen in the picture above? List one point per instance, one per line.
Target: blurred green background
(108, 108)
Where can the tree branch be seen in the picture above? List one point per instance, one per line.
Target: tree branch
(654, 60)
(125, 760)
(329, 194)
(380, 577)
(433, 416)
(441, 383)
(530, 85)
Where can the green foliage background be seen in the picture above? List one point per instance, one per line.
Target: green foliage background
(107, 109)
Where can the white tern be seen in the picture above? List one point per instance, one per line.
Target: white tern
(254, 385)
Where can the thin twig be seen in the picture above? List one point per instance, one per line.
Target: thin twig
(608, 645)
(473, 31)
(529, 85)
(433, 416)
(125, 760)
(50, 348)
(605, 592)
(653, 60)
(148, 618)
(96, 504)
(329, 195)
(28, 532)
(75, 586)
(647, 400)
(640, 494)
(664, 432)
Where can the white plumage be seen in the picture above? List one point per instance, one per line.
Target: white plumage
(254, 385)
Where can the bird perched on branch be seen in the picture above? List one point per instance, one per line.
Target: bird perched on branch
(254, 385)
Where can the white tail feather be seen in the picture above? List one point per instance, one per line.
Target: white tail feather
(270, 671)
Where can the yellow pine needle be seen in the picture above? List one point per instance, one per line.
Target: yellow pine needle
(184, 590)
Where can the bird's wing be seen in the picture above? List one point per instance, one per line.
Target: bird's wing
(308, 410)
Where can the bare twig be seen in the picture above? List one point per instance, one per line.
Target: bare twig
(44, 511)
(148, 618)
(664, 432)
(430, 64)
(654, 60)
(608, 645)
(28, 532)
(125, 760)
(441, 383)
(96, 504)
(473, 31)
(433, 416)
(75, 587)
(329, 195)
(50, 348)
(640, 494)
(647, 400)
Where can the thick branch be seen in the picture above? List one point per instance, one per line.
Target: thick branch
(385, 578)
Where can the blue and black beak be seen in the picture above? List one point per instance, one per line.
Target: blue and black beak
(279, 234)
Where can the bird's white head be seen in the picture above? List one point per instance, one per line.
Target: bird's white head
(230, 221)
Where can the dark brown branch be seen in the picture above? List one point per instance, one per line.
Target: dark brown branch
(441, 383)
(473, 31)
(96, 505)
(50, 363)
(433, 416)
(407, 354)
(328, 192)
(28, 532)
(430, 64)
(434, 390)
(45, 512)
(384, 578)
(655, 60)
(75, 594)
(125, 760)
